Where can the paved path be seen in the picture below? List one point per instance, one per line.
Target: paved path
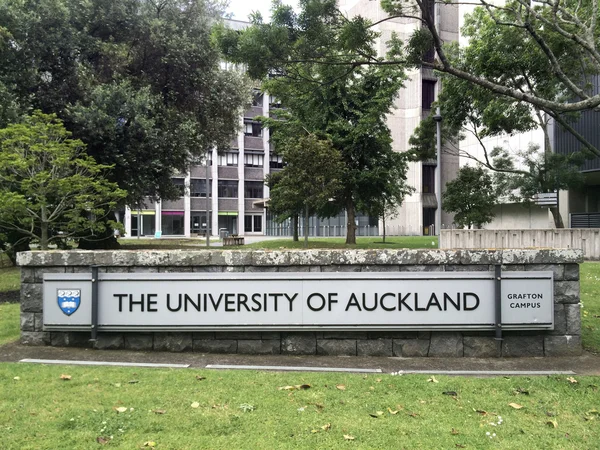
(587, 364)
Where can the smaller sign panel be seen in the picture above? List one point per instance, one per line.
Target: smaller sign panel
(69, 300)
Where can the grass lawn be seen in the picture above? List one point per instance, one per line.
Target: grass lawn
(10, 279)
(228, 410)
(590, 313)
(9, 322)
(367, 242)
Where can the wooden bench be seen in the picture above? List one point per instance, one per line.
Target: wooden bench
(233, 240)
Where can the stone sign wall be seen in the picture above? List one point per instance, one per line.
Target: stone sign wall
(565, 339)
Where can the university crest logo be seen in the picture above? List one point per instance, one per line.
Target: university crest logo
(69, 300)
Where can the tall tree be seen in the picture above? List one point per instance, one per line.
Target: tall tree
(471, 197)
(348, 106)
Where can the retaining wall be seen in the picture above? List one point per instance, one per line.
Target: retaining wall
(565, 339)
(586, 239)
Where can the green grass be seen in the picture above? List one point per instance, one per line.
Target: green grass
(590, 313)
(10, 279)
(370, 242)
(9, 322)
(163, 244)
(39, 410)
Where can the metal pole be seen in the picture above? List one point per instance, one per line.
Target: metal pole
(438, 173)
(139, 223)
(94, 303)
(498, 308)
(208, 200)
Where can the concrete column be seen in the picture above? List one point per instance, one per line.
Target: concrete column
(158, 216)
(187, 206)
(214, 229)
(127, 220)
(266, 165)
(241, 209)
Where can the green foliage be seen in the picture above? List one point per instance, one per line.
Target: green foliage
(471, 197)
(137, 81)
(51, 189)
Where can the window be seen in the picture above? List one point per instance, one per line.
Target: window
(253, 189)
(172, 223)
(427, 94)
(253, 160)
(228, 188)
(228, 159)
(253, 129)
(275, 161)
(179, 184)
(198, 222)
(257, 99)
(252, 223)
(198, 188)
(428, 179)
(275, 102)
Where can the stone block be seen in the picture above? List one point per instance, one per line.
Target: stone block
(139, 341)
(233, 269)
(560, 320)
(345, 335)
(422, 268)
(294, 268)
(380, 268)
(479, 347)
(566, 292)
(309, 258)
(436, 257)
(298, 343)
(35, 338)
(260, 347)
(573, 319)
(396, 257)
(144, 269)
(27, 321)
(31, 297)
(270, 335)
(571, 272)
(557, 269)
(215, 346)
(205, 335)
(261, 269)
(374, 347)
(392, 335)
(411, 348)
(40, 271)
(249, 335)
(188, 258)
(340, 268)
(70, 339)
(446, 344)
(173, 342)
(469, 268)
(479, 257)
(207, 269)
(562, 346)
(276, 258)
(175, 269)
(117, 269)
(513, 267)
(336, 347)
(122, 258)
(152, 258)
(38, 321)
(109, 341)
(424, 335)
(27, 275)
(523, 346)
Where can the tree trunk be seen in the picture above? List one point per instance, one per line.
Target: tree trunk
(306, 226)
(295, 227)
(558, 222)
(383, 220)
(351, 230)
(44, 229)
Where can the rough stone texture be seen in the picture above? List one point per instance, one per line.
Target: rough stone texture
(374, 347)
(294, 269)
(298, 344)
(35, 338)
(252, 347)
(446, 344)
(173, 342)
(523, 346)
(571, 272)
(27, 275)
(557, 269)
(31, 297)
(238, 335)
(215, 346)
(203, 335)
(70, 339)
(345, 335)
(562, 346)
(38, 321)
(421, 268)
(109, 341)
(479, 347)
(28, 321)
(270, 335)
(340, 268)
(411, 348)
(560, 319)
(336, 347)
(139, 341)
(566, 292)
(573, 319)
(392, 335)
(468, 268)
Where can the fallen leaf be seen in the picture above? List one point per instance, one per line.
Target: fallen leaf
(480, 411)
(515, 405)
(102, 440)
(292, 388)
(380, 413)
(452, 393)
(348, 437)
(432, 380)
(314, 431)
(592, 411)
(374, 416)
(121, 409)
(200, 378)
(378, 380)
(286, 388)
(17, 378)
(326, 427)
(150, 444)
(550, 414)
(393, 413)
(572, 380)
(319, 406)
(65, 377)
(552, 423)
(117, 384)
(159, 411)
(413, 414)
(341, 387)
(195, 405)
(371, 388)
(454, 431)
(133, 381)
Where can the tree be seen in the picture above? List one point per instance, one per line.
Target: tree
(51, 190)
(348, 106)
(471, 196)
(310, 180)
(137, 81)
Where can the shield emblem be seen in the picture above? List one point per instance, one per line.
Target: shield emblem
(69, 300)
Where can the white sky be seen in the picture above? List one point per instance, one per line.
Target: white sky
(242, 8)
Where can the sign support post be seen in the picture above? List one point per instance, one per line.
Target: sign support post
(94, 303)
(498, 309)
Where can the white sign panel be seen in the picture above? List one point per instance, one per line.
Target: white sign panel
(301, 301)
